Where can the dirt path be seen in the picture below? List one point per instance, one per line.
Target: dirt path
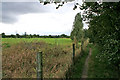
(85, 70)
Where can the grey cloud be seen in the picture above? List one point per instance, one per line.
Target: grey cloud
(9, 19)
(10, 10)
(20, 0)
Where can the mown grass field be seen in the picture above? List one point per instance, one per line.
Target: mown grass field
(19, 57)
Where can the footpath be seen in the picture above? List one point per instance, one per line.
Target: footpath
(85, 69)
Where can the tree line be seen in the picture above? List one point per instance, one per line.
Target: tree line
(25, 35)
(103, 31)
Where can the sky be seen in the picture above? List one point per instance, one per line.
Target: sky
(36, 18)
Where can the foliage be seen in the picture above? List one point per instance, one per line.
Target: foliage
(77, 31)
(59, 2)
(75, 70)
(3, 35)
(25, 35)
(104, 28)
(86, 34)
(98, 68)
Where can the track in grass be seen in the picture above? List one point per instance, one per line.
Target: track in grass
(85, 70)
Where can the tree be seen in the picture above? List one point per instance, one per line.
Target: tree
(50, 36)
(63, 36)
(13, 36)
(104, 28)
(3, 35)
(30, 36)
(34, 35)
(59, 2)
(17, 35)
(85, 32)
(77, 31)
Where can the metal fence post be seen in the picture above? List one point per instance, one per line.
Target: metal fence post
(39, 66)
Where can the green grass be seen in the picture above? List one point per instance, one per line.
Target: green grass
(58, 41)
(48, 40)
(76, 70)
(100, 69)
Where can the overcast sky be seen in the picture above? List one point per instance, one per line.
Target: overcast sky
(35, 18)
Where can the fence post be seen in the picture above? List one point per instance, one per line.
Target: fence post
(73, 53)
(39, 66)
(81, 47)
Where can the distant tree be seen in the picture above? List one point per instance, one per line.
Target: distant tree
(34, 35)
(30, 36)
(50, 36)
(3, 35)
(13, 36)
(17, 35)
(63, 35)
(37, 36)
(57, 36)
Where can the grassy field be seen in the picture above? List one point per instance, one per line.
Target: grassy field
(19, 57)
(59, 41)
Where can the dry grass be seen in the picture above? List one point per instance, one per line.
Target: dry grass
(78, 51)
(57, 62)
(19, 61)
(86, 42)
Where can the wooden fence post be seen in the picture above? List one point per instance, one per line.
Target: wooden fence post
(73, 53)
(82, 47)
(39, 66)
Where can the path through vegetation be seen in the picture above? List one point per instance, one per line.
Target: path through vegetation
(85, 70)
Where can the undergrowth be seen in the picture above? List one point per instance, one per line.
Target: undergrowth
(75, 70)
(99, 67)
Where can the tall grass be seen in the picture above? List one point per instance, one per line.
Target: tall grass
(19, 60)
(75, 70)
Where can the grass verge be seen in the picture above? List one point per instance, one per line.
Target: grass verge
(75, 70)
(98, 68)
